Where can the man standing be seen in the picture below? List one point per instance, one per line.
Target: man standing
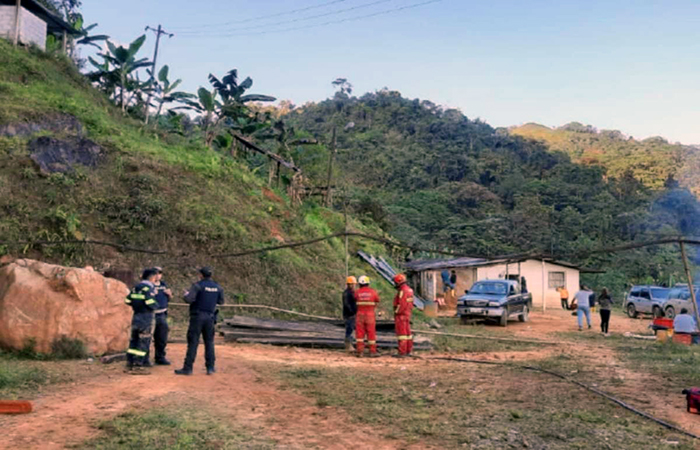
(160, 334)
(583, 300)
(203, 298)
(684, 323)
(349, 311)
(142, 301)
(403, 305)
(367, 301)
(564, 294)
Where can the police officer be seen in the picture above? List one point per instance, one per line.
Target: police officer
(160, 333)
(203, 298)
(142, 301)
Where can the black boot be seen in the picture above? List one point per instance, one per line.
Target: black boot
(162, 362)
(211, 371)
(183, 371)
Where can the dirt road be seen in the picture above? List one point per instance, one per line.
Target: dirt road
(68, 415)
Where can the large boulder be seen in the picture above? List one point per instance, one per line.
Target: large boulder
(44, 302)
(55, 155)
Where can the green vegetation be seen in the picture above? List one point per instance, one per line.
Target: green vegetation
(180, 428)
(433, 177)
(453, 406)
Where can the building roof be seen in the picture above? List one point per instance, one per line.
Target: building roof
(54, 22)
(456, 263)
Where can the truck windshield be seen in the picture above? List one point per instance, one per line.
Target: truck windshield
(489, 288)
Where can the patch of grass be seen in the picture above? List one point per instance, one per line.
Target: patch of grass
(462, 405)
(468, 345)
(176, 427)
(68, 348)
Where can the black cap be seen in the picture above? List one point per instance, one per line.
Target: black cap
(206, 272)
(158, 269)
(148, 273)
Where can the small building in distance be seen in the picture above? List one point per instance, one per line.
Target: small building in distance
(30, 23)
(542, 276)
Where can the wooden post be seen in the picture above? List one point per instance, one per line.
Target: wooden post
(65, 42)
(18, 22)
(544, 287)
(279, 173)
(690, 282)
(347, 253)
(330, 169)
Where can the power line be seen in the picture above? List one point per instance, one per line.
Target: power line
(330, 22)
(269, 16)
(285, 22)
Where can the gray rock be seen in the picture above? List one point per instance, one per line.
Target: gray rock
(54, 155)
(59, 123)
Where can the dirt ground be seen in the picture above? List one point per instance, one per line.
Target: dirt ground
(68, 414)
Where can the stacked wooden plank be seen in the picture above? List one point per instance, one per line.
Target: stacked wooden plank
(244, 329)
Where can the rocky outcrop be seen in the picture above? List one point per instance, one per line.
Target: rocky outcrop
(44, 302)
(54, 155)
(59, 123)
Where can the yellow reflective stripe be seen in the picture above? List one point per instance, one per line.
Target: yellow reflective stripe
(127, 301)
(371, 342)
(405, 338)
(145, 289)
(150, 301)
(137, 296)
(133, 351)
(366, 303)
(409, 299)
(401, 294)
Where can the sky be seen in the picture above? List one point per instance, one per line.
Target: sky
(633, 66)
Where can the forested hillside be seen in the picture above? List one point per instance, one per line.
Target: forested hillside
(435, 177)
(652, 161)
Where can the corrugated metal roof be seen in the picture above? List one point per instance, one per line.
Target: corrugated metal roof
(456, 263)
(54, 22)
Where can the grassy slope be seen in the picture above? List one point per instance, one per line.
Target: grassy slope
(156, 191)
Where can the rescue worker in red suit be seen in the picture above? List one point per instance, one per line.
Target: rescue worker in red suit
(403, 305)
(366, 325)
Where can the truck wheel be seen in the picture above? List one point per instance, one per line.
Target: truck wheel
(503, 321)
(525, 316)
(658, 312)
(670, 312)
(631, 311)
(464, 320)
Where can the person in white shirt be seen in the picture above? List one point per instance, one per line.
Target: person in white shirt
(684, 323)
(583, 302)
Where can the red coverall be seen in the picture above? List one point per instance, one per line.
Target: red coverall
(367, 300)
(403, 305)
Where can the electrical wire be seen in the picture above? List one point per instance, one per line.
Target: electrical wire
(285, 22)
(330, 22)
(252, 19)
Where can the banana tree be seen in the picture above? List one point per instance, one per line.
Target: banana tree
(167, 91)
(233, 94)
(209, 109)
(116, 75)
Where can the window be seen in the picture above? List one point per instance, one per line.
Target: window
(645, 294)
(557, 280)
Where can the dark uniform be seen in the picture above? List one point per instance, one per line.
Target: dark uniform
(160, 334)
(142, 301)
(203, 297)
(349, 313)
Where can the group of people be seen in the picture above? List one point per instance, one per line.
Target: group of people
(359, 313)
(584, 302)
(149, 300)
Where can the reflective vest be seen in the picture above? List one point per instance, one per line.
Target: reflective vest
(142, 298)
(367, 300)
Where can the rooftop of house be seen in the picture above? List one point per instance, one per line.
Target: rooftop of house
(457, 263)
(54, 23)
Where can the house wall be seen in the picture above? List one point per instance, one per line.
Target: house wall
(431, 282)
(537, 279)
(32, 28)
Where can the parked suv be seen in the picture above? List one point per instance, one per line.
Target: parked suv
(678, 299)
(646, 300)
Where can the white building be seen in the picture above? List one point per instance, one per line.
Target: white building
(542, 276)
(28, 22)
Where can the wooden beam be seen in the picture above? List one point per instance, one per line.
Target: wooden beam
(267, 153)
(18, 22)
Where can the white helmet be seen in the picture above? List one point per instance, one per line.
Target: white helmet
(364, 280)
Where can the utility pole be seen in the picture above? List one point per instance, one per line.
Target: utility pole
(159, 32)
(690, 281)
(330, 169)
(18, 22)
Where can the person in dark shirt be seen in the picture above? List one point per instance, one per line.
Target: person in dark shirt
(203, 298)
(349, 311)
(160, 333)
